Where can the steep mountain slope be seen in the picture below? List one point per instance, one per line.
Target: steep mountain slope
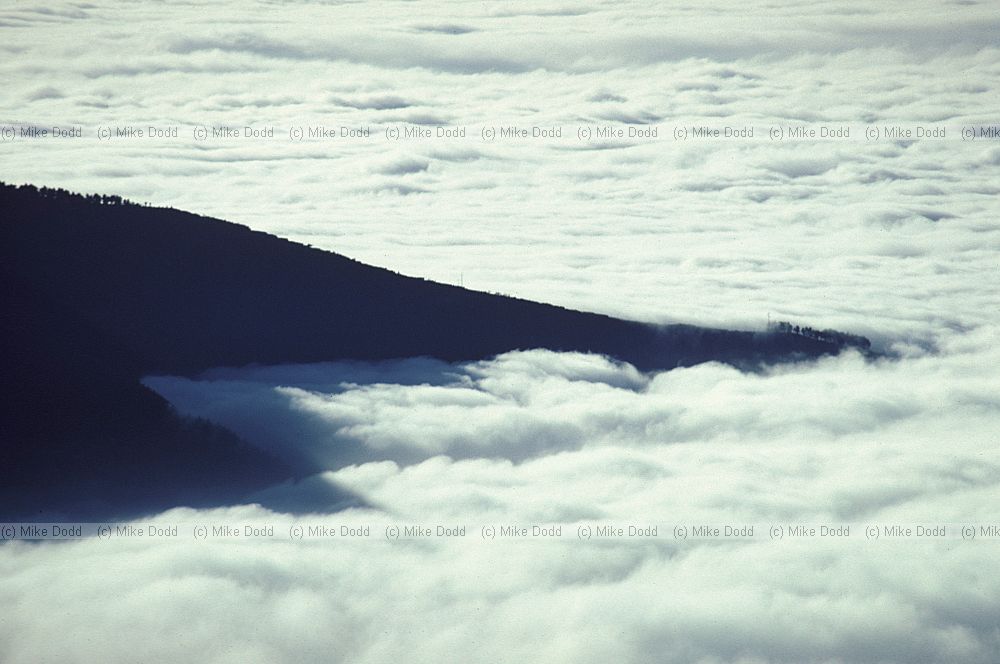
(99, 292)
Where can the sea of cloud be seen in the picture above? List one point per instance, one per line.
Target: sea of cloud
(894, 239)
(839, 232)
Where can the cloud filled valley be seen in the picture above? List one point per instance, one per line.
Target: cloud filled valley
(541, 437)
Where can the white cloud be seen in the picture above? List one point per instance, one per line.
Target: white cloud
(541, 437)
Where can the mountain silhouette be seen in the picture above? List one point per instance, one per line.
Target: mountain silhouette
(99, 292)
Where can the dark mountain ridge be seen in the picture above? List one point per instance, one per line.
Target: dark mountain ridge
(99, 292)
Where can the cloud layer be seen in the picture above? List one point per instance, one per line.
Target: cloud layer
(896, 239)
(836, 232)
